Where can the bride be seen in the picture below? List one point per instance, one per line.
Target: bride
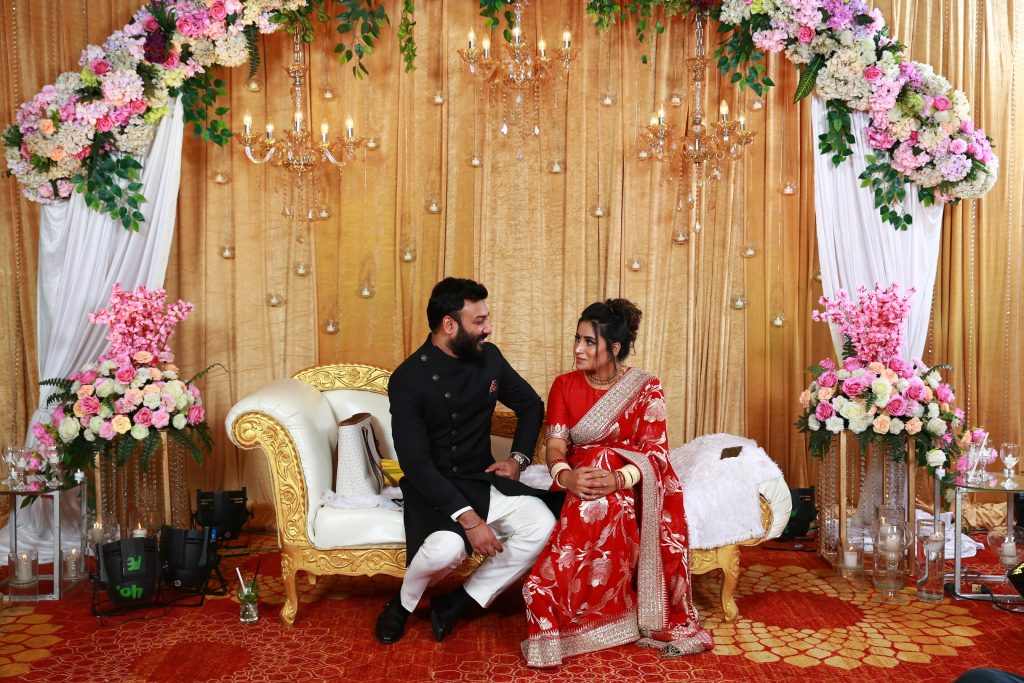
(616, 569)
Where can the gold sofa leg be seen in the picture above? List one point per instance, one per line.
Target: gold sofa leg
(729, 561)
(291, 593)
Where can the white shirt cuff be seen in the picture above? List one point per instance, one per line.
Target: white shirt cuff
(455, 515)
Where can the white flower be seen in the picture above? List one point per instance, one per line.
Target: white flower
(933, 410)
(882, 390)
(95, 424)
(179, 421)
(852, 410)
(902, 384)
(813, 423)
(896, 426)
(860, 423)
(68, 429)
(140, 432)
(933, 378)
(839, 401)
(935, 457)
(936, 426)
(105, 388)
(917, 410)
(834, 424)
(842, 374)
(151, 401)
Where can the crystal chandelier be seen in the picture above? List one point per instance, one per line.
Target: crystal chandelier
(302, 158)
(703, 154)
(517, 75)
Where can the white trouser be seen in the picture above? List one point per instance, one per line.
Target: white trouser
(523, 522)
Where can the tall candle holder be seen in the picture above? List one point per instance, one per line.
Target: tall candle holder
(23, 575)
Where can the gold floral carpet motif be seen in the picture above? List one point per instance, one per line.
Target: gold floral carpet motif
(798, 622)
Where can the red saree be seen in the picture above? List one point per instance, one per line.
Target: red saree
(616, 570)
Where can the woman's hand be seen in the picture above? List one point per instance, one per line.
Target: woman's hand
(588, 483)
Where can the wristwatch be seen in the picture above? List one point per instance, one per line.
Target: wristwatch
(521, 459)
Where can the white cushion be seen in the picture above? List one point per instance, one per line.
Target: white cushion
(346, 528)
(776, 492)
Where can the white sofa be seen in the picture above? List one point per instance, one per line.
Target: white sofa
(294, 421)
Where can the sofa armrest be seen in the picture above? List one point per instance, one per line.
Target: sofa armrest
(293, 425)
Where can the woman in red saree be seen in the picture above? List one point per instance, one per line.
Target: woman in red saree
(616, 569)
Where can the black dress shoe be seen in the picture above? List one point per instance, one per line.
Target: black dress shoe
(445, 611)
(391, 622)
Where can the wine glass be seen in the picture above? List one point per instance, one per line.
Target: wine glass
(1009, 453)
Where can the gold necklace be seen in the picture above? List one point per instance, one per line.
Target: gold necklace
(605, 381)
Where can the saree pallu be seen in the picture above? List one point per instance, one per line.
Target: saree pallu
(616, 569)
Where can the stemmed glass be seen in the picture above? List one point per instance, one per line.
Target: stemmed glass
(1009, 453)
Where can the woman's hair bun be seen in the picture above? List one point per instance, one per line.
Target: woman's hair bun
(628, 312)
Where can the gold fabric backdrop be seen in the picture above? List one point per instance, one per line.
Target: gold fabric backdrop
(528, 234)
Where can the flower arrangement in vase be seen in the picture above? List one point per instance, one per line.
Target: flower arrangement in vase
(130, 394)
(877, 394)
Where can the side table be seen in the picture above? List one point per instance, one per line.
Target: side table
(1007, 485)
(12, 526)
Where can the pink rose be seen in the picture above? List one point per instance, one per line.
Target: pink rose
(186, 26)
(107, 430)
(967, 126)
(853, 386)
(218, 12)
(90, 405)
(900, 367)
(138, 106)
(961, 464)
(99, 67)
(125, 374)
(941, 103)
(978, 435)
(144, 417)
(196, 414)
(161, 419)
(852, 363)
(104, 125)
(975, 150)
(872, 74)
(35, 485)
(172, 61)
(89, 377)
(805, 34)
(944, 393)
(827, 379)
(151, 23)
(123, 406)
(824, 411)
(827, 364)
(916, 391)
(957, 146)
(897, 406)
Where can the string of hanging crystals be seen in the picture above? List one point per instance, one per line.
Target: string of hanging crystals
(517, 76)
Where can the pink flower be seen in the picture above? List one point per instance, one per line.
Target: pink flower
(916, 391)
(151, 23)
(854, 386)
(827, 364)
(978, 435)
(104, 125)
(941, 103)
(805, 34)
(852, 363)
(89, 377)
(123, 406)
(196, 414)
(944, 393)
(897, 406)
(138, 106)
(125, 374)
(34, 485)
(161, 419)
(144, 417)
(172, 61)
(218, 12)
(107, 430)
(957, 146)
(872, 74)
(967, 126)
(824, 411)
(99, 67)
(961, 464)
(827, 379)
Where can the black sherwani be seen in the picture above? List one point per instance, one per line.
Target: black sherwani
(441, 410)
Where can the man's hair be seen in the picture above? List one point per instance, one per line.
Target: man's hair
(449, 296)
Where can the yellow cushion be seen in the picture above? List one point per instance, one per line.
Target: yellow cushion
(391, 468)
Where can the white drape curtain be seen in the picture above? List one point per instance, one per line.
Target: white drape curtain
(82, 254)
(855, 248)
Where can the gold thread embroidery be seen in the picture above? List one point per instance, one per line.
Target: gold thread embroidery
(558, 431)
(549, 648)
(597, 422)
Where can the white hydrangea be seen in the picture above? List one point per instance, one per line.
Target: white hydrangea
(232, 51)
(982, 183)
(842, 78)
(866, 50)
(888, 64)
(733, 12)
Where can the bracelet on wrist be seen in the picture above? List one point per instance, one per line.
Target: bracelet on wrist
(521, 459)
(470, 528)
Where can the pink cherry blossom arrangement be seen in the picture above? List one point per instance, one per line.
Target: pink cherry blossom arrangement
(132, 391)
(874, 392)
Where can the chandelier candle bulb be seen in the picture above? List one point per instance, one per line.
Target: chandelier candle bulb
(247, 122)
(298, 121)
(542, 48)
(517, 35)
(566, 39)
(661, 116)
(723, 109)
(350, 127)
(323, 131)
(472, 39)
(486, 45)
(743, 122)
(654, 119)
(270, 131)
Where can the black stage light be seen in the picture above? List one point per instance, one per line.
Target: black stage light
(222, 511)
(187, 556)
(129, 575)
(802, 515)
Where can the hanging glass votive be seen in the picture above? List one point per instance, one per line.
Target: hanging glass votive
(408, 255)
(331, 327)
(327, 92)
(739, 302)
(779, 319)
(372, 143)
(301, 268)
(366, 289)
(680, 236)
(438, 98)
(227, 252)
(676, 100)
(476, 161)
(636, 264)
(608, 99)
(556, 166)
(748, 250)
(275, 299)
(220, 177)
(433, 207)
(253, 85)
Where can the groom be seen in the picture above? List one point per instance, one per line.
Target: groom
(457, 498)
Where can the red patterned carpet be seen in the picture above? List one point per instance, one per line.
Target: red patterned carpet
(797, 622)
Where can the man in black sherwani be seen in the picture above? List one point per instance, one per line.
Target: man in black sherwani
(456, 496)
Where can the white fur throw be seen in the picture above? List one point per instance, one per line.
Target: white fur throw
(386, 500)
(721, 494)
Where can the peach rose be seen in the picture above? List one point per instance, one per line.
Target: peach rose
(881, 424)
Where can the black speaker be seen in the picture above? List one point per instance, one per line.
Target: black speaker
(130, 571)
(222, 511)
(803, 513)
(1016, 577)
(187, 556)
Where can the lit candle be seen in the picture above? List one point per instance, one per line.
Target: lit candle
(654, 119)
(96, 533)
(723, 109)
(270, 131)
(486, 45)
(849, 558)
(323, 131)
(139, 532)
(743, 122)
(1008, 551)
(566, 39)
(542, 47)
(247, 122)
(298, 121)
(23, 571)
(472, 39)
(661, 116)
(517, 35)
(350, 129)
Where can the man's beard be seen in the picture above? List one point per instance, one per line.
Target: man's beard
(464, 346)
